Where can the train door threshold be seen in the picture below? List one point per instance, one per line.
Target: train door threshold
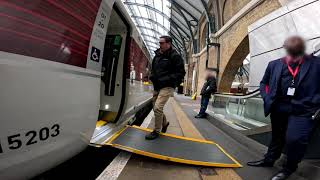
(172, 148)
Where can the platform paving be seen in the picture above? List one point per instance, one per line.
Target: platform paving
(140, 167)
(238, 150)
(180, 111)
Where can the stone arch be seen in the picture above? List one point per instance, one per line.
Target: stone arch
(232, 7)
(233, 65)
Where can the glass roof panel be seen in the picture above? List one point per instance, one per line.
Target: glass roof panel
(178, 18)
(148, 16)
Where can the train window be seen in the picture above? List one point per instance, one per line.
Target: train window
(110, 62)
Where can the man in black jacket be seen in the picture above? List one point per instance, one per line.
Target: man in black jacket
(209, 87)
(166, 74)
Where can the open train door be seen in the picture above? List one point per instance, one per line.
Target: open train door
(113, 85)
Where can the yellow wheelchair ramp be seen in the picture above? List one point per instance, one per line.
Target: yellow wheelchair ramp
(172, 148)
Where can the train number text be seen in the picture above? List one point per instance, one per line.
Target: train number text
(31, 137)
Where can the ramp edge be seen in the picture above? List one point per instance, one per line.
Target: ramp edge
(173, 159)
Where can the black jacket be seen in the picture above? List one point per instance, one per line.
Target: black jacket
(209, 87)
(167, 69)
(306, 100)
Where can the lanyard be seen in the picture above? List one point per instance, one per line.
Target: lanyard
(295, 72)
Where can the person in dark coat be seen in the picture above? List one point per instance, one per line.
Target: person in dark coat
(166, 74)
(290, 89)
(208, 88)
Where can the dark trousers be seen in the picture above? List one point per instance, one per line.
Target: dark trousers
(294, 133)
(204, 104)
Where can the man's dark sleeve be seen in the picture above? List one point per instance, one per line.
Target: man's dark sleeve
(212, 87)
(151, 75)
(264, 84)
(179, 69)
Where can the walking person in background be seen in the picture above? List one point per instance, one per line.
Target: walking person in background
(291, 92)
(132, 74)
(208, 88)
(166, 74)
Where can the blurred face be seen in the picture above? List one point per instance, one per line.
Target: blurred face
(295, 46)
(208, 74)
(164, 46)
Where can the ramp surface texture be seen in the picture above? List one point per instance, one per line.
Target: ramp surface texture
(173, 148)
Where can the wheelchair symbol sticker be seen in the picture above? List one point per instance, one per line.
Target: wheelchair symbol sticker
(95, 54)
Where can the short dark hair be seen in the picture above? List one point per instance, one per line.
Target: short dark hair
(167, 38)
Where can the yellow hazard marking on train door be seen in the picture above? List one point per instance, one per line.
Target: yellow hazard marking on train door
(100, 123)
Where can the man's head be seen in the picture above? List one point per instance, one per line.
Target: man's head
(295, 46)
(208, 73)
(165, 43)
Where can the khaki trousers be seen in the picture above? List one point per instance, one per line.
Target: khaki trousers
(160, 98)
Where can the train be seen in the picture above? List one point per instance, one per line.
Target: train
(65, 80)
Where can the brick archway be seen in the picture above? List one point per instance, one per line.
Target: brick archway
(233, 65)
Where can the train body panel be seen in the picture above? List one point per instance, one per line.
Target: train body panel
(46, 109)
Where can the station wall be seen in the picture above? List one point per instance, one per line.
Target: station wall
(232, 21)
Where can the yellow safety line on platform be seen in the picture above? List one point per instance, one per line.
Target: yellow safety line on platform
(175, 136)
(190, 130)
(173, 159)
(187, 127)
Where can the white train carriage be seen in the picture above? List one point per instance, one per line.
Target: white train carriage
(64, 65)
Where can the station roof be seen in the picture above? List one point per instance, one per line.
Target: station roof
(176, 18)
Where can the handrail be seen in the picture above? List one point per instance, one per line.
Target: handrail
(315, 52)
(235, 96)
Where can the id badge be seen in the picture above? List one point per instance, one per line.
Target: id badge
(291, 91)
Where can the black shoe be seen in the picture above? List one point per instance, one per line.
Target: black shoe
(281, 175)
(153, 135)
(261, 163)
(164, 128)
(200, 116)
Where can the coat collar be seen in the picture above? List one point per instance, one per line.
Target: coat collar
(304, 68)
(165, 53)
(278, 70)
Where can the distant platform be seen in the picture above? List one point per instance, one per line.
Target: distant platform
(172, 148)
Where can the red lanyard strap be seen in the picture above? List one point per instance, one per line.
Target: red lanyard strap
(295, 72)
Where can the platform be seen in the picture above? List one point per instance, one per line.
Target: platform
(180, 111)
